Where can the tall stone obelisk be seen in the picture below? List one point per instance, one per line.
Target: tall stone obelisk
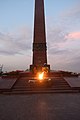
(39, 42)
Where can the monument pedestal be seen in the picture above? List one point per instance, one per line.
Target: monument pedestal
(34, 68)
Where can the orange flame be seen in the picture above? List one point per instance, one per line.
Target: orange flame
(41, 75)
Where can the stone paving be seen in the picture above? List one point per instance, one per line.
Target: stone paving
(7, 83)
(40, 107)
(73, 81)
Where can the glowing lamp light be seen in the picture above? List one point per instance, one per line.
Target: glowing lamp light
(41, 75)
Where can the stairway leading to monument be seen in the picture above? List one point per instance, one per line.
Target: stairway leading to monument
(59, 85)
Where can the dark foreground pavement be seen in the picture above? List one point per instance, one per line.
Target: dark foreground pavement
(40, 107)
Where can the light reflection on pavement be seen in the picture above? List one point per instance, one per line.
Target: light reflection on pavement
(40, 107)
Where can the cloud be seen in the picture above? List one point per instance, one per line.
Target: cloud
(18, 62)
(56, 34)
(68, 61)
(73, 36)
(72, 12)
(70, 18)
(63, 48)
(12, 44)
(56, 40)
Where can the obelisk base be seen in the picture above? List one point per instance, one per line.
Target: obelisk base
(38, 68)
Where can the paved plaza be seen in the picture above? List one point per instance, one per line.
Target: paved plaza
(40, 107)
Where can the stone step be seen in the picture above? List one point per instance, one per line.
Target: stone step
(26, 87)
(40, 92)
(58, 85)
(41, 89)
(27, 84)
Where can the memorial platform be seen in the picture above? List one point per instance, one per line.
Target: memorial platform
(21, 85)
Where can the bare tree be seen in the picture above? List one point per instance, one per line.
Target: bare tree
(1, 67)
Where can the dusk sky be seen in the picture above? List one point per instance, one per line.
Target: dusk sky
(62, 34)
